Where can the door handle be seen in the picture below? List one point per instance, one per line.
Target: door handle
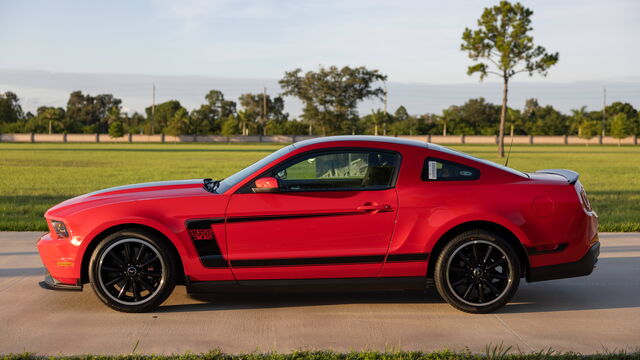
(373, 208)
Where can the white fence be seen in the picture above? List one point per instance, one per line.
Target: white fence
(284, 139)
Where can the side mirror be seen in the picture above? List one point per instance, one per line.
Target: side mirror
(266, 185)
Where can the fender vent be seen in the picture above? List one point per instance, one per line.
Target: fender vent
(205, 242)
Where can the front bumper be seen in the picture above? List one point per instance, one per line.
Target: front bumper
(62, 260)
(53, 284)
(582, 267)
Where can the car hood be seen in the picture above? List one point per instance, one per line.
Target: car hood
(134, 192)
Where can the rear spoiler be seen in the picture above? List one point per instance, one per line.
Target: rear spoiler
(571, 176)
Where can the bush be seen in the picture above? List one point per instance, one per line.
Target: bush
(116, 129)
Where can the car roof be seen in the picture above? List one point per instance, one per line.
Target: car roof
(402, 141)
(383, 139)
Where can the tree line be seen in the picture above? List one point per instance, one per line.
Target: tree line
(85, 113)
(262, 114)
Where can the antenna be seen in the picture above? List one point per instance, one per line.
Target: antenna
(509, 153)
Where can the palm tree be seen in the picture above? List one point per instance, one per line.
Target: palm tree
(578, 117)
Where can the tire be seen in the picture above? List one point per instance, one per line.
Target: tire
(132, 271)
(477, 272)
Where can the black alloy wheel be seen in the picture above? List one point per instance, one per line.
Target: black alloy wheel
(477, 272)
(132, 271)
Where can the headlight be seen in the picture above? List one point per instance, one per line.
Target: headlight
(60, 229)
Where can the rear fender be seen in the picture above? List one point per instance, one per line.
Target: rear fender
(469, 218)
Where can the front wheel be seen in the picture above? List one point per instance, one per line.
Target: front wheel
(477, 272)
(132, 271)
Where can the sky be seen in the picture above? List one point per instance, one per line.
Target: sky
(124, 46)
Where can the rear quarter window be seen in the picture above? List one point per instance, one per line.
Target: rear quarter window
(435, 169)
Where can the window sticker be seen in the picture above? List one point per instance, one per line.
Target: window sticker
(445, 170)
(433, 170)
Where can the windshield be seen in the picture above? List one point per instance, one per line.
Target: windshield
(483, 161)
(234, 179)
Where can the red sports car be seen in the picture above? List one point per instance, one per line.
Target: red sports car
(352, 212)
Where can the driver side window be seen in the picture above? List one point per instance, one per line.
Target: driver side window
(339, 170)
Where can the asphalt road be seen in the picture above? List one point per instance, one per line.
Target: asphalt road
(590, 314)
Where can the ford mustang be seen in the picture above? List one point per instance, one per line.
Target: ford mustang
(344, 212)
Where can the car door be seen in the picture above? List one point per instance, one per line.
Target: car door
(332, 217)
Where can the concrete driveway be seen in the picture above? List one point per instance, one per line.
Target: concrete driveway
(590, 314)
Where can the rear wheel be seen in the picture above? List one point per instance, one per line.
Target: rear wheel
(132, 271)
(477, 272)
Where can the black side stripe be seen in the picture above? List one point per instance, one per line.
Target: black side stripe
(308, 261)
(329, 260)
(203, 223)
(235, 219)
(408, 257)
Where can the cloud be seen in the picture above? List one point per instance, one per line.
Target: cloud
(192, 16)
(408, 40)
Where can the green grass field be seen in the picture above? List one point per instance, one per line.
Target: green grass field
(34, 177)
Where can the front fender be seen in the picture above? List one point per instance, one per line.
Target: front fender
(156, 225)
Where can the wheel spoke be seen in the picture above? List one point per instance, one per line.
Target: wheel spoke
(152, 274)
(498, 276)
(127, 252)
(146, 285)
(123, 289)
(136, 291)
(117, 258)
(492, 288)
(496, 264)
(110, 269)
(465, 259)
(458, 269)
(486, 256)
(459, 282)
(139, 254)
(154, 258)
(468, 291)
(114, 281)
(474, 251)
(480, 292)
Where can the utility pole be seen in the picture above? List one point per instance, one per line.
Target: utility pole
(604, 112)
(264, 111)
(49, 127)
(153, 110)
(375, 122)
(384, 120)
